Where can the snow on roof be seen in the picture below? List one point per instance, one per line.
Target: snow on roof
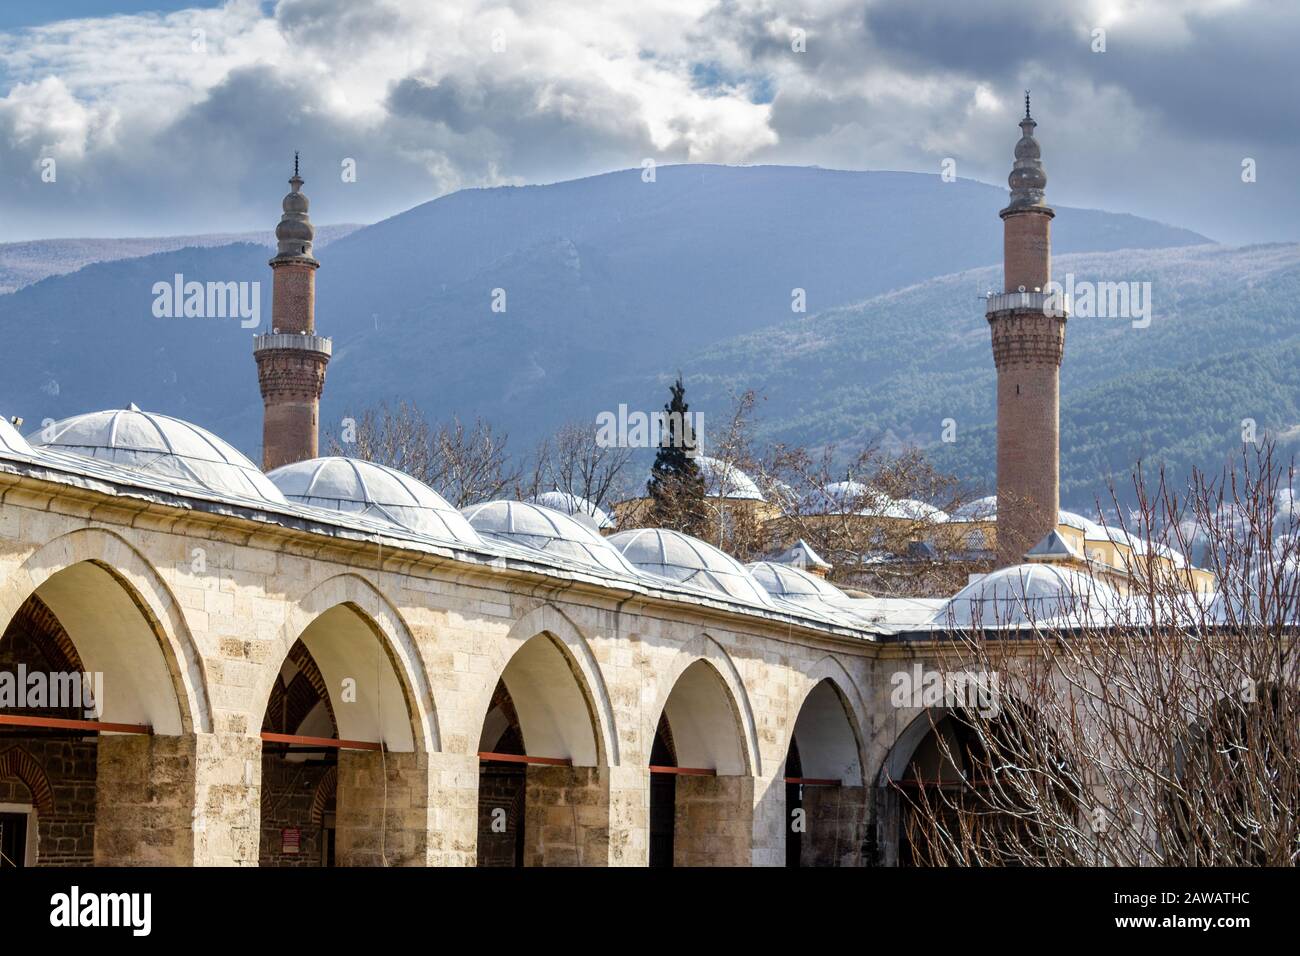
(854, 497)
(576, 507)
(800, 555)
(722, 479)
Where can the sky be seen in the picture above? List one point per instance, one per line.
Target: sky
(169, 118)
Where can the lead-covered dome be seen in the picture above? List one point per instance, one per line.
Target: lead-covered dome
(1032, 594)
(163, 448)
(12, 443)
(375, 492)
(576, 507)
(846, 497)
(855, 498)
(551, 532)
(686, 560)
(724, 480)
(794, 584)
(981, 509)
(986, 509)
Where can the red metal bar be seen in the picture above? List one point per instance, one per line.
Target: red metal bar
(684, 771)
(815, 781)
(60, 723)
(524, 758)
(320, 742)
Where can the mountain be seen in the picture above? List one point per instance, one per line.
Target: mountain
(608, 282)
(22, 263)
(1221, 347)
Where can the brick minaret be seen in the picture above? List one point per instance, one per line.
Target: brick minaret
(1028, 342)
(291, 359)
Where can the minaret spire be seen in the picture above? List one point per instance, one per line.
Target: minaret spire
(291, 359)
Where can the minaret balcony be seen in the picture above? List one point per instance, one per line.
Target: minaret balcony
(296, 341)
(1053, 304)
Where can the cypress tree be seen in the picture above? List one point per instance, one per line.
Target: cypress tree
(676, 483)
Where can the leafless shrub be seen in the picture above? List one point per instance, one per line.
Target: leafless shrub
(1163, 729)
(876, 520)
(465, 465)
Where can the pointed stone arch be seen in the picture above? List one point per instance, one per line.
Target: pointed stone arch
(335, 616)
(550, 624)
(704, 648)
(325, 793)
(830, 671)
(18, 763)
(89, 575)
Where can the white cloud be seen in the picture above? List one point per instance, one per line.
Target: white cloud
(435, 96)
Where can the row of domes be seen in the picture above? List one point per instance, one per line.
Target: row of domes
(560, 526)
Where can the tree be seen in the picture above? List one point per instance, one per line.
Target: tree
(676, 485)
(737, 526)
(875, 520)
(1159, 730)
(574, 461)
(464, 465)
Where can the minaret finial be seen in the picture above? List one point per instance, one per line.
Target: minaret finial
(1027, 116)
(295, 152)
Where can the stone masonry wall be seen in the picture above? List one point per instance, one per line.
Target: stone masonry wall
(66, 835)
(714, 823)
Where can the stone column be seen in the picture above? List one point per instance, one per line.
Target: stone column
(566, 816)
(177, 801)
(405, 809)
(715, 821)
(629, 816)
(836, 819)
(771, 821)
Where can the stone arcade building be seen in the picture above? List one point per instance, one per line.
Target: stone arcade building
(329, 664)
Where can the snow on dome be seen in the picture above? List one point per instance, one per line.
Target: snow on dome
(854, 497)
(373, 491)
(723, 480)
(981, 509)
(986, 509)
(12, 443)
(686, 560)
(916, 510)
(848, 497)
(794, 584)
(552, 532)
(577, 507)
(1030, 593)
(164, 448)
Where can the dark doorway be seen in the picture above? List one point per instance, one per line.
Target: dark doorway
(794, 809)
(663, 797)
(13, 840)
(502, 790)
